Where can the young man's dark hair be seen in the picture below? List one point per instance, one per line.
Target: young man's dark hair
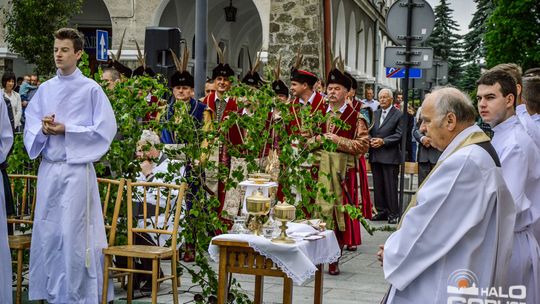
(531, 93)
(504, 79)
(7, 77)
(72, 34)
(532, 72)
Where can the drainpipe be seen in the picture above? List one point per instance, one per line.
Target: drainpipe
(377, 57)
(201, 33)
(327, 37)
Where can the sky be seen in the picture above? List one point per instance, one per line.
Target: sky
(463, 11)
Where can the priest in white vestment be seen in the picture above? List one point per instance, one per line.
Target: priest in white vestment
(71, 124)
(6, 141)
(519, 159)
(460, 220)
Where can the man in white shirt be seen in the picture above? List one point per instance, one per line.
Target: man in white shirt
(369, 101)
(519, 157)
(460, 220)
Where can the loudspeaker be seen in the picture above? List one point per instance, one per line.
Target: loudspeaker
(157, 42)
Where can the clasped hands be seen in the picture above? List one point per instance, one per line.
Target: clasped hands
(51, 127)
(376, 142)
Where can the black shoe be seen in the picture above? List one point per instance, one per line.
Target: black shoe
(379, 217)
(393, 220)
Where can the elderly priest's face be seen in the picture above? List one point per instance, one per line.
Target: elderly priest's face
(438, 129)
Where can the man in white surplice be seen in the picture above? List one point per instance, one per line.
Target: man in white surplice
(529, 117)
(519, 158)
(6, 141)
(69, 122)
(462, 216)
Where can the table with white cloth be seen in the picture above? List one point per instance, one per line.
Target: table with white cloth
(256, 255)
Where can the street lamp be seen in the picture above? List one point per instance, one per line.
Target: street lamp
(230, 13)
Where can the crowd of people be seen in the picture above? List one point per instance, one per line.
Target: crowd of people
(476, 207)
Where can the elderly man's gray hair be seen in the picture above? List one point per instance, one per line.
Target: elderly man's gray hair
(150, 137)
(452, 100)
(390, 93)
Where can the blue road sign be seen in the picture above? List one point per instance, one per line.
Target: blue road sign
(102, 45)
(400, 73)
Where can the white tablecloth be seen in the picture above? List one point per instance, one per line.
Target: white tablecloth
(298, 261)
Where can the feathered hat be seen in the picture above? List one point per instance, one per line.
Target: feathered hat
(181, 77)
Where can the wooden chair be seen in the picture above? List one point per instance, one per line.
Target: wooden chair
(106, 193)
(163, 193)
(106, 188)
(24, 189)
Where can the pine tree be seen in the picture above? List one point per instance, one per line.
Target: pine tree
(513, 33)
(469, 77)
(446, 42)
(474, 40)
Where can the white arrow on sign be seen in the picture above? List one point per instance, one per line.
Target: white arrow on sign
(102, 46)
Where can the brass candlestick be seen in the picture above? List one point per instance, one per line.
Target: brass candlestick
(284, 212)
(257, 205)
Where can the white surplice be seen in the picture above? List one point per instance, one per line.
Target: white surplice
(66, 260)
(463, 220)
(531, 124)
(6, 141)
(519, 159)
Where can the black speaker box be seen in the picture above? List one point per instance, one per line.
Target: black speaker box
(157, 42)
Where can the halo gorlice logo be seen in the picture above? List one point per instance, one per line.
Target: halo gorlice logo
(463, 288)
(464, 282)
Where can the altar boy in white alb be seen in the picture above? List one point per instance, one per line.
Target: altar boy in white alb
(6, 141)
(519, 158)
(462, 217)
(71, 124)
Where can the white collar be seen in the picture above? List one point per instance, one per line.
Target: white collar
(387, 110)
(310, 100)
(457, 140)
(341, 110)
(505, 124)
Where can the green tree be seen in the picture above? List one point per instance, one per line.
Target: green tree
(474, 45)
(30, 25)
(513, 33)
(445, 41)
(471, 73)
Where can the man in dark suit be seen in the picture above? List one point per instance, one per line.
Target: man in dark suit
(427, 155)
(385, 157)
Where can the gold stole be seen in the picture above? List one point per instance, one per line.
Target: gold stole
(473, 138)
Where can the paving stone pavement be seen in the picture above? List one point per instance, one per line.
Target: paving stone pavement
(361, 280)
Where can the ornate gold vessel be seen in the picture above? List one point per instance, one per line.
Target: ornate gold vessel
(257, 205)
(284, 212)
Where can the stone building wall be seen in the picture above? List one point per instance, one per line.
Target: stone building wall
(294, 24)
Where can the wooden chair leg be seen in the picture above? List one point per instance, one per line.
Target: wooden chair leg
(155, 277)
(130, 281)
(175, 280)
(18, 296)
(106, 264)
